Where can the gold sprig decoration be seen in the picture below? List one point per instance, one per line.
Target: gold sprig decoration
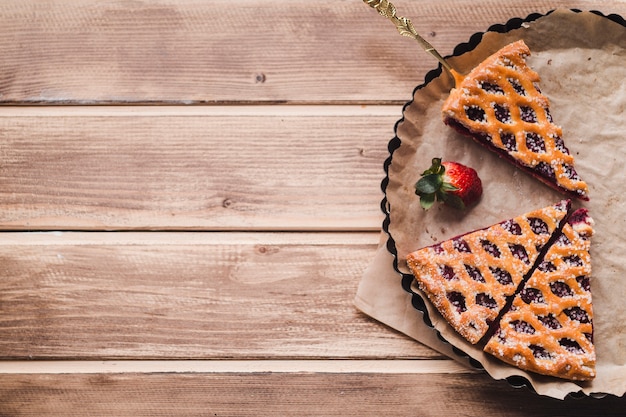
(386, 9)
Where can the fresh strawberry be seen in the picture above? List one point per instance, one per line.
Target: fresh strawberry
(449, 182)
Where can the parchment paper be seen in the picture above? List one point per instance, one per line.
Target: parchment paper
(581, 58)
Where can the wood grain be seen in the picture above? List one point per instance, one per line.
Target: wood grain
(280, 366)
(182, 295)
(189, 168)
(306, 394)
(220, 231)
(175, 51)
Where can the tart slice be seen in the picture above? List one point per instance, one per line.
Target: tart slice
(549, 328)
(470, 278)
(500, 106)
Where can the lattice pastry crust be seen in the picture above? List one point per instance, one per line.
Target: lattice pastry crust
(549, 329)
(499, 104)
(469, 278)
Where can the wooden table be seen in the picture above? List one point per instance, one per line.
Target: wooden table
(189, 195)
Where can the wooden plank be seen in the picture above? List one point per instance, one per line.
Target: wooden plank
(193, 168)
(188, 51)
(334, 366)
(302, 394)
(169, 295)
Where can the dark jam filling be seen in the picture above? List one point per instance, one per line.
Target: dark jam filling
(571, 346)
(535, 143)
(447, 272)
(528, 115)
(546, 266)
(570, 172)
(545, 169)
(550, 321)
(522, 326)
(540, 352)
(562, 240)
(561, 289)
(474, 273)
(476, 114)
(519, 252)
(503, 115)
(538, 226)
(560, 145)
(502, 276)
(457, 300)
(461, 245)
(509, 142)
(512, 227)
(486, 301)
(532, 295)
(583, 281)
(577, 314)
(543, 172)
(573, 260)
(517, 86)
(490, 248)
(491, 88)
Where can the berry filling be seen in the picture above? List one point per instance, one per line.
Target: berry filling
(519, 252)
(486, 301)
(447, 272)
(527, 114)
(560, 145)
(535, 143)
(522, 326)
(583, 281)
(532, 295)
(512, 227)
(476, 114)
(461, 246)
(562, 240)
(546, 266)
(550, 321)
(571, 346)
(457, 300)
(491, 88)
(540, 352)
(509, 142)
(545, 169)
(502, 276)
(570, 172)
(538, 226)
(490, 248)
(517, 86)
(561, 289)
(474, 273)
(502, 113)
(573, 260)
(577, 314)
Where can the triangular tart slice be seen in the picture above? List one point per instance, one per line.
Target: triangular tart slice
(470, 278)
(500, 106)
(549, 328)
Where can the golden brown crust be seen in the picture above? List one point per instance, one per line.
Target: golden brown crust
(550, 325)
(499, 104)
(469, 278)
